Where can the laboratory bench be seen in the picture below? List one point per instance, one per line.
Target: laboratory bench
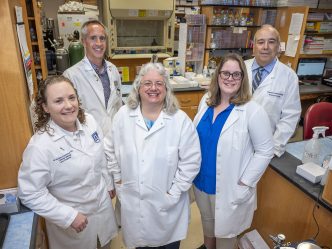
(289, 204)
(25, 231)
(311, 92)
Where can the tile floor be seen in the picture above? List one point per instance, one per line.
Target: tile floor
(193, 240)
(195, 233)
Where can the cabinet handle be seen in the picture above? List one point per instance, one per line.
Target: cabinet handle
(185, 100)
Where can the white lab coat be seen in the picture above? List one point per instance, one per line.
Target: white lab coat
(91, 93)
(245, 148)
(57, 180)
(153, 163)
(280, 97)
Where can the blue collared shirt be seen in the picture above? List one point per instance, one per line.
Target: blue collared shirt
(209, 136)
(267, 69)
(104, 80)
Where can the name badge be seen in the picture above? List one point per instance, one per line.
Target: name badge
(275, 94)
(95, 137)
(64, 157)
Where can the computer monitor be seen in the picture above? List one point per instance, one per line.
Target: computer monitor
(311, 69)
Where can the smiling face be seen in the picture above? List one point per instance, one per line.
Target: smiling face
(62, 105)
(266, 45)
(152, 90)
(95, 43)
(229, 86)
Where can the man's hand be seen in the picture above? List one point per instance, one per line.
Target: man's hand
(80, 222)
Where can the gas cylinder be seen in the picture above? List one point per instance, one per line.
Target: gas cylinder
(62, 60)
(76, 52)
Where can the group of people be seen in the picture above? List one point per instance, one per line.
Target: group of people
(88, 148)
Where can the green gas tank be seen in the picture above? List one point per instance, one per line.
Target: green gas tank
(76, 52)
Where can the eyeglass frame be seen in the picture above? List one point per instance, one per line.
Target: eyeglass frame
(222, 73)
(158, 84)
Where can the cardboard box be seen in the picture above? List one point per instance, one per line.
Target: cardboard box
(9, 202)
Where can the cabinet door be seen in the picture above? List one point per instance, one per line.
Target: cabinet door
(41, 238)
(189, 101)
(190, 110)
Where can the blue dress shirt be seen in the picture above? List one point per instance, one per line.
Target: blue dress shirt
(267, 69)
(209, 136)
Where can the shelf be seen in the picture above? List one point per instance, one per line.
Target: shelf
(213, 49)
(319, 20)
(34, 43)
(184, 5)
(37, 67)
(237, 6)
(315, 55)
(31, 18)
(238, 26)
(318, 33)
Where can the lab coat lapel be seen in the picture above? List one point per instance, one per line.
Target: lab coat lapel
(232, 118)
(159, 124)
(58, 134)
(139, 118)
(95, 81)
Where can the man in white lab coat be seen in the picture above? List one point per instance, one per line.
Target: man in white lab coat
(97, 81)
(275, 86)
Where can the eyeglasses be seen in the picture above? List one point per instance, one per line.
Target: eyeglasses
(148, 84)
(225, 75)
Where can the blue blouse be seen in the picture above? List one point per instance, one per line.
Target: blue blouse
(209, 136)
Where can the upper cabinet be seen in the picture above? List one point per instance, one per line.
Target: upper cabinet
(232, 27)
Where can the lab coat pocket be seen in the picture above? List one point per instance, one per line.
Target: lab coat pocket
(128, 190)
(242, 194)
(170, 201)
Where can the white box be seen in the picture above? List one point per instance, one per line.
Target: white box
(252, 240)
(311, 171)
(9, 202)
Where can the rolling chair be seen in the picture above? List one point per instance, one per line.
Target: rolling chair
(318, 114)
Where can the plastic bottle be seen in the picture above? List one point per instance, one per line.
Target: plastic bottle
(206, 72)
(312, 150)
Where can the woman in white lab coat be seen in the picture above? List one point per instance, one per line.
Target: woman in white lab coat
(236, 143)
(63, 174)
(154, 155)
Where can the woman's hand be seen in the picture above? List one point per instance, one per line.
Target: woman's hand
(80, 222)
(112, 193)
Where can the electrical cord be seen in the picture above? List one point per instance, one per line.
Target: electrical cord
(316, 206)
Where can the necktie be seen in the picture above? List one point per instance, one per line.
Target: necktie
(257, 79)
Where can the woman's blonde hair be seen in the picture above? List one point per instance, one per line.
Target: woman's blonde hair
(42, 124)
(170, 103)
(242, 96)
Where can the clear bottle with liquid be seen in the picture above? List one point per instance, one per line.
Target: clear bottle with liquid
(312, 149)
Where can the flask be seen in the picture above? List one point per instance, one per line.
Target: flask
(312, 149)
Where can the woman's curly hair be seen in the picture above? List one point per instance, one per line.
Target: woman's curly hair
(42, 123)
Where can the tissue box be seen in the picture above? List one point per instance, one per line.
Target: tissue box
(9, 202)
(311, 171)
